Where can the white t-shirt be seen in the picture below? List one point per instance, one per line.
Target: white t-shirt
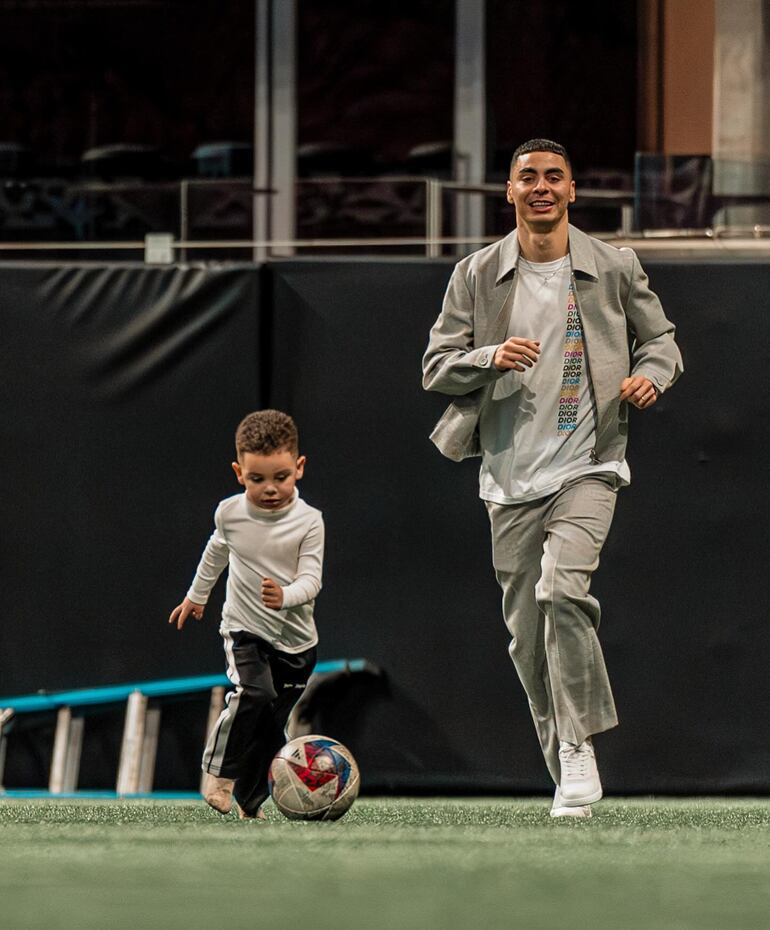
(539, 426)
(285, 545)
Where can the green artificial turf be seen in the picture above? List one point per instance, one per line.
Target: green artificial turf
(433, 864)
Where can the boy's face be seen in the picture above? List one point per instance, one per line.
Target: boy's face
(269, 479)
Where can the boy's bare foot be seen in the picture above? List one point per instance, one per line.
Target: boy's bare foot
(242, 815)
(218, 792)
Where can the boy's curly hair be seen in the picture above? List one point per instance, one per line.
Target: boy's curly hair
(266, 431)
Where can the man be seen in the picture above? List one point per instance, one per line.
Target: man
(544, 339)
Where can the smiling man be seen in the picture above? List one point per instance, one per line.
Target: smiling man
(544, 339)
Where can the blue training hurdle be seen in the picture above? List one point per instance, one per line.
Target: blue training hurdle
(136, 767)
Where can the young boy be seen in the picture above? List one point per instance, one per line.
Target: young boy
(272, 543)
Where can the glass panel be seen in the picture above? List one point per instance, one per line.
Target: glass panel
(680, 192)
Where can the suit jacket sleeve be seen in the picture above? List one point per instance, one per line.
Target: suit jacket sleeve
(453, 364)
(654, 353)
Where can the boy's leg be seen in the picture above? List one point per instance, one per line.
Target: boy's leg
(239, 730)
(290, 673)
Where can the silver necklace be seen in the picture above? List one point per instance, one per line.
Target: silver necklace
(545, 275)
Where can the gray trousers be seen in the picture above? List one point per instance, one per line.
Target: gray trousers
(544, 553)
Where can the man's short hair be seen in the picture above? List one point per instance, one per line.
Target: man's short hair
(265, 432)
(541, 145)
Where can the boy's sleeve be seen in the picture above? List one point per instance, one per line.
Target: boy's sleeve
(307, 582)
(211, 565)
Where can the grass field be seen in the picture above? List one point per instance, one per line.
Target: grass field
(434, 864)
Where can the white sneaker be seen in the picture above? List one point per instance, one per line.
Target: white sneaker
(580, 782)
(559, 809)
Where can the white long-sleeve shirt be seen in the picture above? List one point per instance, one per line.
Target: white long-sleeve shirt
(285, 545)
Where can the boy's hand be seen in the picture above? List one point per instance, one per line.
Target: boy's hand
(180, 613)
(272, 594)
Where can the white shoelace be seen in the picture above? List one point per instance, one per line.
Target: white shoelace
(575, 760)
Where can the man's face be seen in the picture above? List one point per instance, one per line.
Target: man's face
(269, 479)
(541, 188)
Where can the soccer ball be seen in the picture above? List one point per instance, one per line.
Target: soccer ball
(314, 778)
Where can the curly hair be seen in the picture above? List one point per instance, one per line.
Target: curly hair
(541, 145)
(266, 431)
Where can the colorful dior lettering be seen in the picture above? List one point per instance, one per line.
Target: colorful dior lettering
(572, 371)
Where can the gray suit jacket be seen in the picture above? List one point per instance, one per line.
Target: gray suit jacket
(624, 329)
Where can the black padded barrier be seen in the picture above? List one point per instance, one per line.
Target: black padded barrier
(121, 388)
(409, 581)
(124, 384)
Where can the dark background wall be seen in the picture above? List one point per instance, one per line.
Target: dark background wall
(78, 74)
(541, 55)
(123, 386)
(374, 76)
(119, 401)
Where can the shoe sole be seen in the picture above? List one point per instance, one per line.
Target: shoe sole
(574, 812)
(584, 801)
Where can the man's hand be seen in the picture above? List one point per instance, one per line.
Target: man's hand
(272, 594)
(517, 354)
(180, 613)
(638, 391)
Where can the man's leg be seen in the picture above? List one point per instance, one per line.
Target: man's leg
(242, 725)
(544, 553)
(290, 673)
(518, 535)
(577, 521)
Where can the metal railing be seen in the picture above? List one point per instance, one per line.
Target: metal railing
(754, 240)
(436, 189)
(426, 210)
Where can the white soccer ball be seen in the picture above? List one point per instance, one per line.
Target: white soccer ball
(314, 778)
